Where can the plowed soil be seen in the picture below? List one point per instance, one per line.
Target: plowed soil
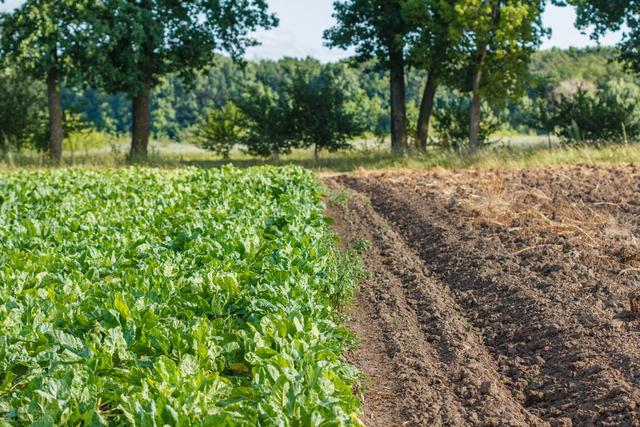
(497, 297)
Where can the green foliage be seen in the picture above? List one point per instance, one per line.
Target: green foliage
(377, 30)
(413, 113)
(362, 246)
(139, 42)
(185, 297)
(227, 82)
(431, 44)
(44, 36)
(326, 107)
(86, 139)
(373, 28)
(600, 16)
(73, 124)
(339, 197)
(594, 64)
(497, 39)
(376, 117)
(112, 113)
(452, 122)
(292, 104)
(268, 129)
(610, 114)
(21, 104)
(221, 129)
(46, 40)
(133, 45)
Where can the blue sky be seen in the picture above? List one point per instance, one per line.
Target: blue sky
(302, 23)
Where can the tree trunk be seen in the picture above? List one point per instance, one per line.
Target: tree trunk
(56, 131)
(141, 125)
(476, 103)
(426, 108)
(316, 153)
(399, 145)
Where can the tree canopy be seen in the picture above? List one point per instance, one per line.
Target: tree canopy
(326, 102)
(144, 40)
(611, 15)
(377, 30)
(44, 35)
(45, 39)
(431, 47)
(21, 105)
(496, 41)
(178, 64)
(498, 38)
(139, 42)
(220, 129)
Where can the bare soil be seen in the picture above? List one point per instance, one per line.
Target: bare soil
(497, 297)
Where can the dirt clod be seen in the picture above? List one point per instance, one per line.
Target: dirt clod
(634, 302)
(486, 387)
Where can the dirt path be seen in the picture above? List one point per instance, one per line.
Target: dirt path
(484, 309)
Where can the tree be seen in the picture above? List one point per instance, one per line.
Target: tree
(452, 122)
(42, 38)
(608, 113)
(497, 39)
(269, 130)
(221, 129)
(432, 48)
(612, 15)
(141, 41)
(377, 30)
(21, 104)
(325, 104)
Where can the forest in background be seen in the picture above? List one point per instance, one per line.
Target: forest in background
(423, 73)
(178, 108)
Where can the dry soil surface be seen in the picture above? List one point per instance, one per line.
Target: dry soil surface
(496, 297)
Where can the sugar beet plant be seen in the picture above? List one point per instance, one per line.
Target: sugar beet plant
(171, 298)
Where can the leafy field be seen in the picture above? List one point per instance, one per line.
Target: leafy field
(182, 297)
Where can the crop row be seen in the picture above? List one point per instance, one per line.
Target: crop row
(185, 297)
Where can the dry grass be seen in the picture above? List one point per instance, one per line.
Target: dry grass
(500, 198)
(514, 156)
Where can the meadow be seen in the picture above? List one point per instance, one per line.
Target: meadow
(508, 152)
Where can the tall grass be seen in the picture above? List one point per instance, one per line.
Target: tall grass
(495, 157)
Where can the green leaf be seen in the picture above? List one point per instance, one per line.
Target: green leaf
(120, 304)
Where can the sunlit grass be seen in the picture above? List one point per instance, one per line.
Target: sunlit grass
(511, 155)
(541, 157)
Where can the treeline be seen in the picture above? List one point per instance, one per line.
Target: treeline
(121, 46)
(426, 72)
(207, 112)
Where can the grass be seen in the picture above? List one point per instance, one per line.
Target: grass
(338, 197)
(561, 156)
(512, 154)
(489, 158)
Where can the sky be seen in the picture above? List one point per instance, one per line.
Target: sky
(302, 23)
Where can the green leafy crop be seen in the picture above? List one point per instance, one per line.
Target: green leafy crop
(187, 297)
